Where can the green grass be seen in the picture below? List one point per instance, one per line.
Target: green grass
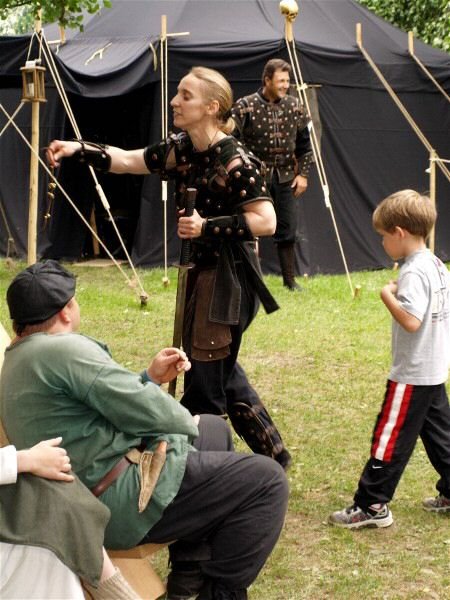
(320, 365)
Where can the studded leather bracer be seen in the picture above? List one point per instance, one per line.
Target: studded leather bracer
(95, 155)
(304, 164)
(230, 227)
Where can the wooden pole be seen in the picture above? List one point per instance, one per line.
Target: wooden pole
(34, 174)
(433, 155)
(34, 182)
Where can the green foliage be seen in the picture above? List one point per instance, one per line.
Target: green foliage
(429, 20)
(18, 15)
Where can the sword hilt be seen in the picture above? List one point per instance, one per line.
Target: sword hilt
(189, 205)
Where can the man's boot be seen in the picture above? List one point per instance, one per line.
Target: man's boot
(286, 255)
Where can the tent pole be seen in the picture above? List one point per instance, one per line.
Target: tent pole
(164, 93)
(432, 237)
(164, 60)
(289, 9)
(398, 102)
(34, 171)
(422, 66)
(33, 190)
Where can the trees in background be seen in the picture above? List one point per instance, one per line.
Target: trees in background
(18, 15)
(429, 20)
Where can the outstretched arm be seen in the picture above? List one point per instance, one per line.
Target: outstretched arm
(122, 161)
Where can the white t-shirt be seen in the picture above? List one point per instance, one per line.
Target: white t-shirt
(422, 357)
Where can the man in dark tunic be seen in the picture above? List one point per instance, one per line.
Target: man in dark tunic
(274, 126)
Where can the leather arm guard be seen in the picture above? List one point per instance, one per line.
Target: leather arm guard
(304, 164)
(232, 227)
(95, 155)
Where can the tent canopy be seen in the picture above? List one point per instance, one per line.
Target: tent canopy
(112, 71)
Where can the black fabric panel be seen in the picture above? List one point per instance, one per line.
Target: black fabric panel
(15, 165)
(368, 148)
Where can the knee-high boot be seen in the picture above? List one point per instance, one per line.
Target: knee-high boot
(253, 424)
(286, 255)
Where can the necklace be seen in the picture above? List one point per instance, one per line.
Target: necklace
(214, 137)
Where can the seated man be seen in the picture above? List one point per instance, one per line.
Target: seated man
(134, 446)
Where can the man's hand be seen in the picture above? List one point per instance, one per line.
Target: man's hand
(299, 185)
(167, 364)
(45, 460)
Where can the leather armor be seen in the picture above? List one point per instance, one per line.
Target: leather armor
(277, 132)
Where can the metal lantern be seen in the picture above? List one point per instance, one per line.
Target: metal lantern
(33, 84)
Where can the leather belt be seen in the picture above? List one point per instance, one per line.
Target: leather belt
(111, 476)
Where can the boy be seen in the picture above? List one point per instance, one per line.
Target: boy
(415, 402)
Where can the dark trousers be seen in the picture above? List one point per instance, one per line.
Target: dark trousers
(286, 209)
(229, 511)
(408, 411)
(209, 386)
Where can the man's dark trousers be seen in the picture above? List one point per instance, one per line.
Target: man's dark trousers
(229, 511)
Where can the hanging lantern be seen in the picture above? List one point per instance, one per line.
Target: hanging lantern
(33, 84)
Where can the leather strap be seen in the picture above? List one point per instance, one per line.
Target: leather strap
(111, 476)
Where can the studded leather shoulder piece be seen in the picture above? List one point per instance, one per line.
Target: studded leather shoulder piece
(156, 155)
(246, 183)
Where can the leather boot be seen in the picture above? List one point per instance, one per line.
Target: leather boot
(253, 424)
(286, 255)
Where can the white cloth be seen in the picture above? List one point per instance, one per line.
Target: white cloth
(8, 465)
(28, 572)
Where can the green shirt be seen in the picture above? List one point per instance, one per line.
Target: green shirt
(68, 385)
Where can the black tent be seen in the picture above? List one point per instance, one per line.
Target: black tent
(111, 73)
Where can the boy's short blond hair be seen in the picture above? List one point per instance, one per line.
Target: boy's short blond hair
(406, 209)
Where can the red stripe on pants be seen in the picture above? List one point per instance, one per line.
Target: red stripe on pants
(384, 416)
(399, 423)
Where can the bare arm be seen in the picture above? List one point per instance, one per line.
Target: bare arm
(45, 460)
(404, 318)
(260, 217)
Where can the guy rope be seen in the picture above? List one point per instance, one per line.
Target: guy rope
(44, 48)
(289, 9)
